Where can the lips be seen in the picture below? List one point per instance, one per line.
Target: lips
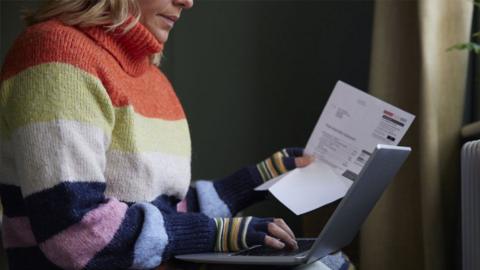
(173, 18)
(169, 19)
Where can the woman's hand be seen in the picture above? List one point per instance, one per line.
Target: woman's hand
(278, 234)
(234, 234)
(282, 162)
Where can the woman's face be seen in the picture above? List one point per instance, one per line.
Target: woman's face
(159, 16)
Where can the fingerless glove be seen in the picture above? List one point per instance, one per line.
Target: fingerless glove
(279, 163)
(234, 234)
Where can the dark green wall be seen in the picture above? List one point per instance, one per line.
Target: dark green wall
(253, 76)
(10, 23)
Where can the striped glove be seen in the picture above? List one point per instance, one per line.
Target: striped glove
(234, 234)
(280, 163)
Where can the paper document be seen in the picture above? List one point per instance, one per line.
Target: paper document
(351, 125)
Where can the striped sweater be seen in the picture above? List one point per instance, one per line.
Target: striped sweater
(95, 156)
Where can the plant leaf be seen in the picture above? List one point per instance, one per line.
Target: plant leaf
(471, 46)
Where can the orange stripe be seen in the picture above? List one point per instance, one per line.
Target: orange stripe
(235, 227)
(278, 159)
(150, 94)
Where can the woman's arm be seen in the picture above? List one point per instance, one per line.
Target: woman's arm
(227, 196)
(57, 120)
(224, 197)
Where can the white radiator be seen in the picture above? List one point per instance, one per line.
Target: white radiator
(470, 159)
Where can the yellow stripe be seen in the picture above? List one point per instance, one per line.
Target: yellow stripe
(278, 159)
(271, 168)
(236, 225)
(54, 91)
(135, 133)
(58, 91)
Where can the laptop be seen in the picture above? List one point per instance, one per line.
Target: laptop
(342, 226)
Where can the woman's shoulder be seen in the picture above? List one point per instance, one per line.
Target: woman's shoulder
(47, 42)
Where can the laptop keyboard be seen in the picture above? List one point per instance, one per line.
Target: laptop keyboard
(303, 245)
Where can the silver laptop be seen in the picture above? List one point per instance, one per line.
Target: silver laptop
(342, 226)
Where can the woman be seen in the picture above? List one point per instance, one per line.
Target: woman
(95, 148)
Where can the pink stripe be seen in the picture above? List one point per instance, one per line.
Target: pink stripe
(182, 206)
(17, 232)
(74, 247)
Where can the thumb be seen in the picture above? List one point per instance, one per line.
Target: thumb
(304, 161)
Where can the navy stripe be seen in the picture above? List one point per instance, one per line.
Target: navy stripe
(12, 201)
(28, 258)
(166, 204)
(189, 233)
(295, 151)
(118, 254)
(192, 200)
(289, 163)
(237, 191)
(57, 208)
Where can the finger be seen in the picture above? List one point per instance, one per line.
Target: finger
(304, 161)
(273, 243)
(294, 151)
(277, 232)
(280, 222)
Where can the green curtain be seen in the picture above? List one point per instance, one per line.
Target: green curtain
(414, 225)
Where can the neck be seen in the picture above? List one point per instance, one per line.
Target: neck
(132, 49)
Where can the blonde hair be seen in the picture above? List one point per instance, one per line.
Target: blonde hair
(87, 13)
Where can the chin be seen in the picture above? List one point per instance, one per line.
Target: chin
(161, 37)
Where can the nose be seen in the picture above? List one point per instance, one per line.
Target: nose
(185, 4)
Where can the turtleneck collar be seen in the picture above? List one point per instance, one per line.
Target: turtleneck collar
(131, 49)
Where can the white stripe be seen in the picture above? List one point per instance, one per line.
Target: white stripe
(209, 201)
(49, 153)
(219, 223)
(244, 233)
(135, 177)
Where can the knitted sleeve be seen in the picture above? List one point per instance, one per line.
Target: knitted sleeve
(56, 123)
(227, 196)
